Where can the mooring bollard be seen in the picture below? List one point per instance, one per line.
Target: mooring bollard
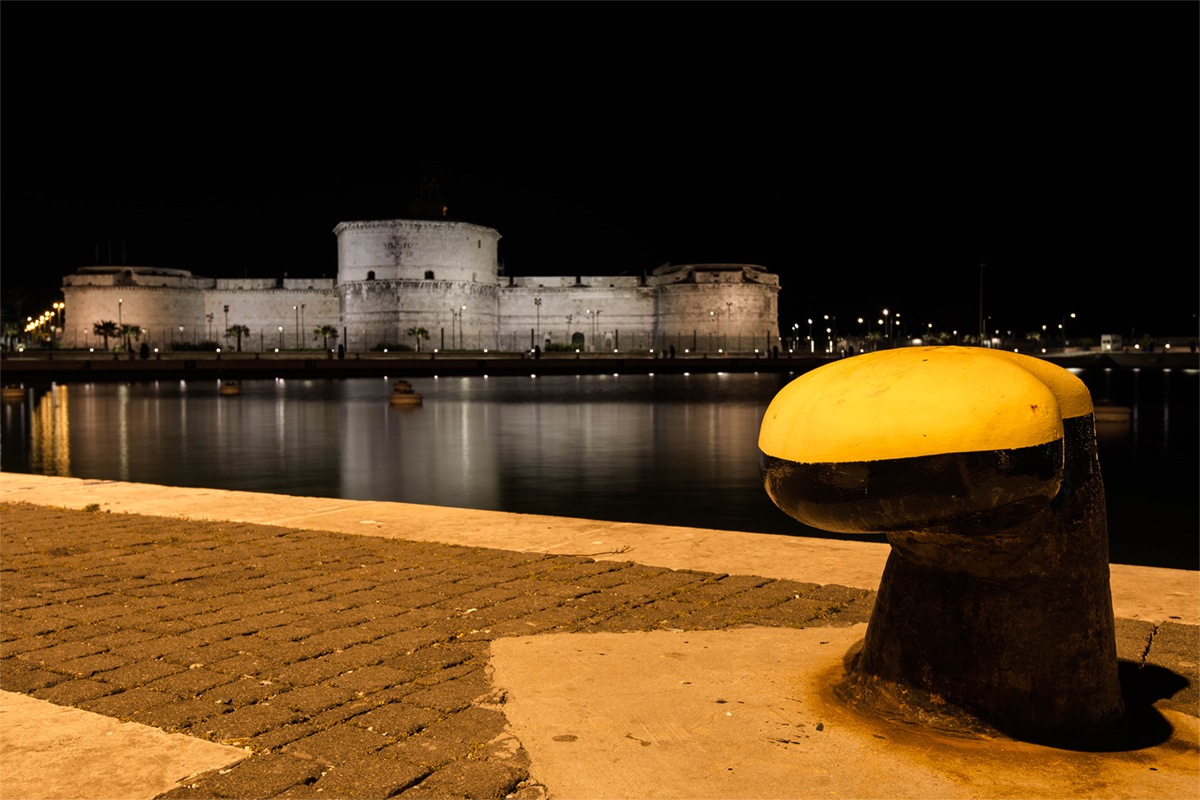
(994, 614)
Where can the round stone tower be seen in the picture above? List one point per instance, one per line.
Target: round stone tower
(440, 275)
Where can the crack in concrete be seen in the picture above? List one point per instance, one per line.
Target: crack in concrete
(1146, 652)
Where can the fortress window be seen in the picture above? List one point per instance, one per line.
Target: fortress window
(428, 274)
(479, 243)
(371, 275)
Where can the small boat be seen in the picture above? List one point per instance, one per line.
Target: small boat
(403, 395)
(230, 387)
(13, 393)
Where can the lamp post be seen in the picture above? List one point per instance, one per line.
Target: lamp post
(569, 318)
(119, 302)
(297, 310)
(280, 337)
(728, 317)
(181, 334)
(537, 306)
(456, 313)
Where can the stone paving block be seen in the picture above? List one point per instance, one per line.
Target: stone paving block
(179, 714)
(263, 776)
(59, 654)
(16, 647)
(126, 703)
(399, 720)
(313, 699)
(305, 673)
(469, 778)
(278, 737)
(120, 638)
(189, 682)
(26, 679)
(244, 691)
(791, 613)
(293, 632)
(83, 632)
(203, 653)
(436, 656)
(88, 616)
(412, 640)
(245, 664)
(711, 617)
(772, 594)
(724, 587)
(358, 656)
(73, 692)
(453, 695)
(88, 665)
(139, 673)
(242, 724)
(449, 739)
(442, 675)
(372, 776)
(370, 679)
(339, 744)
(832, 593)
(339, 638)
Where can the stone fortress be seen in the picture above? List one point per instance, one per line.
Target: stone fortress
(443, 276)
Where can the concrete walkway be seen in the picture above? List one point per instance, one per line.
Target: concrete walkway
(451, 652)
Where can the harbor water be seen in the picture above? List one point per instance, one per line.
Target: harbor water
(665, 449)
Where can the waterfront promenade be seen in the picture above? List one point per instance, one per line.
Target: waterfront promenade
(74, 366)
(316, 647)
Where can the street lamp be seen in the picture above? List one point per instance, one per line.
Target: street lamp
(297, 310)
(280, 337)
(119, 302)
(537, 305)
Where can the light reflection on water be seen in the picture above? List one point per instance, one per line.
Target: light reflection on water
(677, 450)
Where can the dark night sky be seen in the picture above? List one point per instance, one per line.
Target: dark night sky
(872, 155)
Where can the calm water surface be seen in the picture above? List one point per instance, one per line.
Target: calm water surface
(678, 450)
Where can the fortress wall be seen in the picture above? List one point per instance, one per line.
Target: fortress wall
(158, 310)
(687, 313)
(263, 310)
(408, 249)
(383, 311)
(625, 318)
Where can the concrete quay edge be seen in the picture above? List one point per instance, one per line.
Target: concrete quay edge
(1150, 594)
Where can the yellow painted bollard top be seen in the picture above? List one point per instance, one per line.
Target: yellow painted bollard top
(920, 401)
(926, 436)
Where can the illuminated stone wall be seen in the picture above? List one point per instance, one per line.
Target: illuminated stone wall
(397, 275)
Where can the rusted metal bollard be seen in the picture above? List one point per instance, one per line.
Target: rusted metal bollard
(994, 614)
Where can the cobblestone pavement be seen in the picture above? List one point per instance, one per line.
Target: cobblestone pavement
(318, 650)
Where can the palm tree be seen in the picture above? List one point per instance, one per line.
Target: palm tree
(12, 330)
(131, 330)
(418, 334)
(106, 329)
(239, 331)
(326, 332)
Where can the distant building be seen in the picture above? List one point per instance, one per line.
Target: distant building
(443, 276)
